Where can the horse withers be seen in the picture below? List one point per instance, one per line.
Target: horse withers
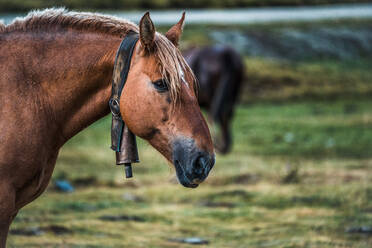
(220, 73)
(56, 69)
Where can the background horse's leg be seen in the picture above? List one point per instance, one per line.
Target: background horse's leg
(226, 96)
(7, 210)
(226, 136)
(223, 143)
(221, 109)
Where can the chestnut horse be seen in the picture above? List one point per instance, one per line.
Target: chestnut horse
(56, 69)
(220, 73)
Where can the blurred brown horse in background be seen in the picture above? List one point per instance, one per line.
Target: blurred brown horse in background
(55, 80)
(220, 72)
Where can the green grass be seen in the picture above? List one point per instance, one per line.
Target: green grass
(339, 129)
(267, 193)
(271, 80)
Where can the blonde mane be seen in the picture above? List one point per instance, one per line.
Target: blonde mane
(173, 65)
(2, 26)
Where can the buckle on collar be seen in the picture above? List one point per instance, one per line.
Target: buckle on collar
(114, 106)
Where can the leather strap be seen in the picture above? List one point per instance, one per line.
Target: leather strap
(120, 75)
(123, 141)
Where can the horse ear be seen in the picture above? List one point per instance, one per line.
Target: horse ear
(175, 32)
(147, 32)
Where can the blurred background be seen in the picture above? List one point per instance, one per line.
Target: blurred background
(298, 171)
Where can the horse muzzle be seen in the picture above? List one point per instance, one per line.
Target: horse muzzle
(192, 164)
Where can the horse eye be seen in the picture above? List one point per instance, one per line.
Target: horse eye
(161, 85)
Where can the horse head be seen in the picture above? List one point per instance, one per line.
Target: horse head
(159, 103)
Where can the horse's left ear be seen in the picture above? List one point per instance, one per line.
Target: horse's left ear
(175, 32)
(147, 32)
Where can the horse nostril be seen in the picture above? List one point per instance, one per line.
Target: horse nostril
(198, 166)
(201, 166)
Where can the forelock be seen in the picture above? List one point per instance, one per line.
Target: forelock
(173, 66)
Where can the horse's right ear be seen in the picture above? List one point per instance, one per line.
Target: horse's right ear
(175, 32)
(147, 32)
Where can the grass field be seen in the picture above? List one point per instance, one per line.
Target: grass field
(299, 176)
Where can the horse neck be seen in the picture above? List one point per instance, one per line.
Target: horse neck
(77, 75)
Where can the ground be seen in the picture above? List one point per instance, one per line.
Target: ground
(299, 176)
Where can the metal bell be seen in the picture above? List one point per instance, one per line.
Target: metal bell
(128, 153)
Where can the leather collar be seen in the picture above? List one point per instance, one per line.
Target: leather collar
(123, 141)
